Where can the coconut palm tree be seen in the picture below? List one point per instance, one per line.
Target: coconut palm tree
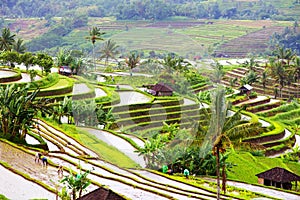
(284, 55)
(19, 46)
(174, 64)
(94, 35)
(223, 129)
(264, 79)
(27, 59)
(277, 70)
(7, 39)
(109, 50)
(132, 61)
(296, 69)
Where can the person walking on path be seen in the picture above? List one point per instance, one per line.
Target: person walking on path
(186, 173)
(60, 171)
(44, 161)
(37, 157)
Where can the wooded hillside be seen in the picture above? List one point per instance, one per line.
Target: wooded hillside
(154, 9)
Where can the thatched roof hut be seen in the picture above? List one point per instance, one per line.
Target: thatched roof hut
(161, 89)
(101, 194)
(245, 89)
(278, 177)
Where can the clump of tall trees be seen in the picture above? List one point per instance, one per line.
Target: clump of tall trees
(18, 107)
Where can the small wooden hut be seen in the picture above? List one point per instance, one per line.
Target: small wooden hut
(102, 194)
(245, 89)
(278, 177)
(161, 89)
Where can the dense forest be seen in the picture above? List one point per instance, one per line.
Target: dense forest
(153, 9)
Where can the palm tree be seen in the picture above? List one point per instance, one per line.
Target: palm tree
(278, 72)
(172, 63)
(6, 40)
(95, 34)
(296, 66)
(19, 46)
(264, 79)
(284, 55)
(109, 50)
(132, 61)
(27, 59)
(224, 129)
(218, 73)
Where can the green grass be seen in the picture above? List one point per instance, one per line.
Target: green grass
(247, 166)
(105, 151)
(2, 197)
(156, 39)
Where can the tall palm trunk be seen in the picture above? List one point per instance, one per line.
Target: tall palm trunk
(94, 57)
(224, 177)
(218, 172)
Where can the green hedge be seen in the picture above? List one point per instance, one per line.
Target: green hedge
(63, 86)
(275, 134)
(262, 107)
(140, 106)
(280, 109)
(45, 82)
(110, 99)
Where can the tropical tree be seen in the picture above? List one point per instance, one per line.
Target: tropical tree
(77, 183)
(218, 73)
(223, 129)
(7, 39)
(277, 70)
(94, 35)
(64, 108)
(174, 64)
(251, 64)
(105, 117)
(264, 80)
(64, 58)
(109, 50)
(44, 61)
(284, 55)
(77, 66)
(33, 73)
(151, 150)
(17, 109)
(132, 61)
(19, 46)
(296, 72)
(27, 59)
(10, 57)
(250, 78)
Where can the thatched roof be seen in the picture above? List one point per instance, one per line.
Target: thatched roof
(101, 194)
(278, 174)
(246, 86)
(161, 87)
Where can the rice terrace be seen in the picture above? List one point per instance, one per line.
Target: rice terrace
(150, 99)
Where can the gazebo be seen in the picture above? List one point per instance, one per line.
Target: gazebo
(161, 89)
(245, 89)
(101, 194)
(278, 177)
